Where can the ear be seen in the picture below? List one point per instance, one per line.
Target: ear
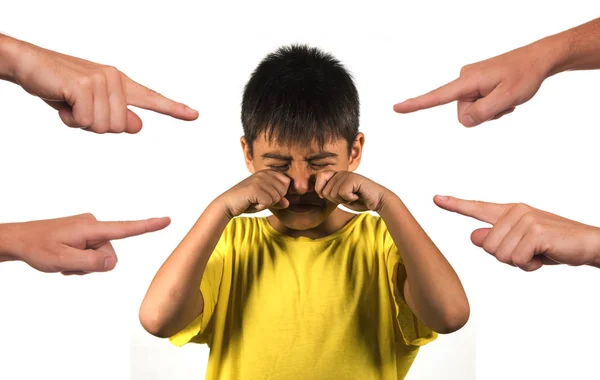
(247, 154)
(356, 152)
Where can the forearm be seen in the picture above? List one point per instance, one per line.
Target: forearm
(432, 288)
(173, 299)
(574, 49)
(8, 57)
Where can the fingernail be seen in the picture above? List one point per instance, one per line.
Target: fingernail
(469, 121)
(442, 197)
(190, 110)
(110, 263)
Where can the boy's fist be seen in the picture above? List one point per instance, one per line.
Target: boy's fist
(350, 189)
(262, 190)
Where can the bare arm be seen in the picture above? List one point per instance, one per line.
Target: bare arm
(87, 95)
(432, 289)
(174, 300)
(77, 244)
(8, 54)
(6, 246)
(527, 237)
(494, 87)
(578, 48)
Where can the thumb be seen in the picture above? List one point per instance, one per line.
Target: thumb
(66, 115)
(321, 181)
(134, 123)
(87, 260)
(478, 236)
(486, 108)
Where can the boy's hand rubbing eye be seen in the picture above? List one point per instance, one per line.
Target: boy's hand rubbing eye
(262, 190)
(354, 191)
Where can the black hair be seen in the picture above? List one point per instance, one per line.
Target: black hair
(300, 94)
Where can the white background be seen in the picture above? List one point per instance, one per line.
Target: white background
(540, 325)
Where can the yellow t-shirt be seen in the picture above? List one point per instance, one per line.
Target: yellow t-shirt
(278, 307)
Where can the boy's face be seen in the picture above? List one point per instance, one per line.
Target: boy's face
(301, 164)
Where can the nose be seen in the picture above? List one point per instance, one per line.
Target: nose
(301, 182)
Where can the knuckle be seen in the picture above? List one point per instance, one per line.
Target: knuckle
(529, 219)
(537, 228)
(85, 120)
(117, 128)
(522, 207)
(98, 77)
(84, 82)
(466, 69)
(88, 216)
(520, 260)
(101, 129)
(506, 259)
(111, 72)
(489, 246)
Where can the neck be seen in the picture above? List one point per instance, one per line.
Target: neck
(334, 222)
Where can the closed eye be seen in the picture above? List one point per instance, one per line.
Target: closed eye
(319, 166)
(280, 168)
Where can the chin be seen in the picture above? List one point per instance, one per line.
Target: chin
(301, 220)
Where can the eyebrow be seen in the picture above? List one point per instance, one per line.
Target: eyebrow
(321, 156)
(281, 157)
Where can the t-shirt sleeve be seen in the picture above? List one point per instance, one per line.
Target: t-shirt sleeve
(414, 332)
(199, 330)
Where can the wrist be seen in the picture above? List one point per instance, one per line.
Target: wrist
(9, 52)
(8, 248)
(388, 203)
(221, 209)
(595, 247)
(553, 53)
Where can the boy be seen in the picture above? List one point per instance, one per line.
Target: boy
(311, 292)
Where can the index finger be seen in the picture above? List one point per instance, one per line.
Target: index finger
(120, 230)
(443, 95)
(485, 211)
(143, 97)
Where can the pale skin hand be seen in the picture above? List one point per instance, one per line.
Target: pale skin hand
(173, 299)
(492, 88)
(432, 289)
(527, 237)
(77, 244)
(87, 95)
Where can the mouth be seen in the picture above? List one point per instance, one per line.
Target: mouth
(305, 204)
(302, 208)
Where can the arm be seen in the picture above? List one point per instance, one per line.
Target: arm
(575, 49)
(77, 244)
(492, 88)
(8, 58)
(526, 237)
(432, 289)
(86, 94)
(174, 300)
(6, 244)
